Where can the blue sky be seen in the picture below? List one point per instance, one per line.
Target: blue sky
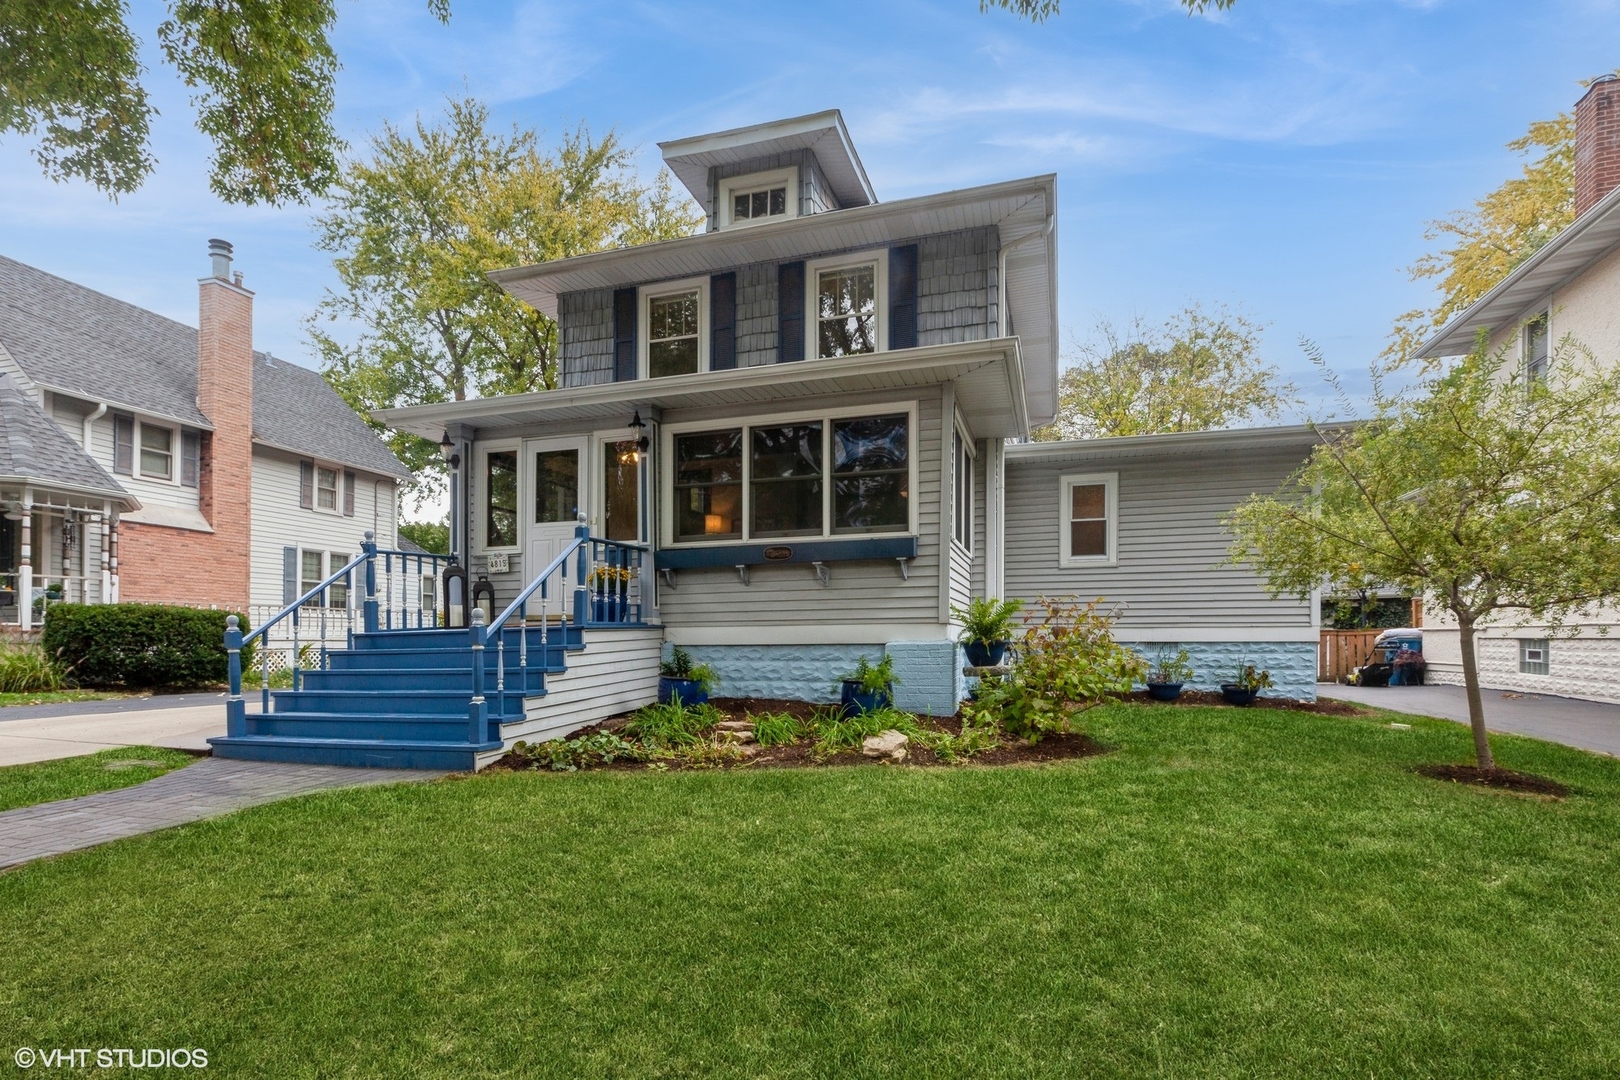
(1281, 158)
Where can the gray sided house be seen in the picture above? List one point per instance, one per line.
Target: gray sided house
(835, 395)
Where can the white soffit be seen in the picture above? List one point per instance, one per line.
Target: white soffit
(822, 133)
(1563, 258)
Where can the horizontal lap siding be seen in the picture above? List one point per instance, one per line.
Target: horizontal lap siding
(279, 521)
(585, 326)
(859, 591)
(1170, 541)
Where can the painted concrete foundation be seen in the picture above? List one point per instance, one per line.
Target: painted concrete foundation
(929, 675)
(1292, 663)
(1586, 665)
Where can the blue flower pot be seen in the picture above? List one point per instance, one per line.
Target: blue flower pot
(1164, 691)
(982, 654)
(857, 701)
(1238, 695)
(685, 692)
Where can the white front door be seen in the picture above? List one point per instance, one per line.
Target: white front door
(558, 478)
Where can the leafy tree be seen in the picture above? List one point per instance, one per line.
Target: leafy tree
(1502, 230)
(415, 226)
(1484, 494)
(431, 536)
(1041, 10)
(262, 70)
(1197, 371)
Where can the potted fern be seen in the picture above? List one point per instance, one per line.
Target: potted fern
(683, 682)
(1246, 684)
(1168, 674)
(869, 687)
(988, 626)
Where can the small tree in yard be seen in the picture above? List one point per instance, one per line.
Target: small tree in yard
(1486, 494)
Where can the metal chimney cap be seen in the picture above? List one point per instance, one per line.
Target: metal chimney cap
(219, 255)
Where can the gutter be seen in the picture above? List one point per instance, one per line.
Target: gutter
(1171, 442)
(1003, 313)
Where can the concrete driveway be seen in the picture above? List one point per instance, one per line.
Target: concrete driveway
(1589, 725)
(43, 732)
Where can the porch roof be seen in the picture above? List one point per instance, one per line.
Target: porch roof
(1022, 210)
(989, 377)
(34, 452)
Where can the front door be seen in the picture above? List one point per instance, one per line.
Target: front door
(557, 482)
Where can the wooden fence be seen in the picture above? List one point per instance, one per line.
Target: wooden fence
(1340, 650)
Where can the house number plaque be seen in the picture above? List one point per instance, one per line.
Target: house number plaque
(776, 554)
(496, 562)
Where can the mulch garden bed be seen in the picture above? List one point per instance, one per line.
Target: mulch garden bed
(1213, 697)
(1505, 779)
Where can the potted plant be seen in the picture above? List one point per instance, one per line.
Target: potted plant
(987, 629)
(1246, 685)
(1168, 674)
(683, 682)
(607, 585)
(867, 688)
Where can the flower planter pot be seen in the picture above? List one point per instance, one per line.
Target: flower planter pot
(985, 654)
(1164, 691)
(857, 701)
(682, 691)
(607, 609)
(1237, 695)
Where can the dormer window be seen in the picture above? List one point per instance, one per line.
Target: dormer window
(758, 197)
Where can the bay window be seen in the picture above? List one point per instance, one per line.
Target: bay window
(818, 476)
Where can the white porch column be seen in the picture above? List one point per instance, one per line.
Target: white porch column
(25, 572)
(112, 563)
(105, 521)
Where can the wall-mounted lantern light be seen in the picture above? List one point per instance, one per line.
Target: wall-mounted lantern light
(447, 450)
(638, 433)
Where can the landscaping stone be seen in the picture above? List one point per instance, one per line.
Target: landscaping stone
(888, 745)
(734, 725)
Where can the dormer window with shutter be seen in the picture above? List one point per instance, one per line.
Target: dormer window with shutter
(758, 197)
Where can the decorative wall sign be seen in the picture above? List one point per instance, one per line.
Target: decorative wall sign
(497, 562)
(776, 554)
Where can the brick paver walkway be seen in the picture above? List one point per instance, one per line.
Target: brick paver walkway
(209, 788)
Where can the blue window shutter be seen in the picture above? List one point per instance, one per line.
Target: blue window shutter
(722, 322)
(903, 297)
(306, 485)
(124, 445)
(289, 576)
(190, 457)
(624, 335)
(789, 312)
(348, 496)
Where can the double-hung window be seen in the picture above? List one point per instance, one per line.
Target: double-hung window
(673, 324)
(326, 488)
(845, 299)
(157, 452)
(1088, 512)
(1536, 349)
(817, 476)
(313, 566)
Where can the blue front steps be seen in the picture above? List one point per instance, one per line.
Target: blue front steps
(399, 699)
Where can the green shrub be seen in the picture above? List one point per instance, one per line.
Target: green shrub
(776, 729)
(139, 645)
(663, 726)
(571, 755)
(28, 669)
(878, 678)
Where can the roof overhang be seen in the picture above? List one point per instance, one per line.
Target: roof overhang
(121, 500)
(200, 422)
(988, 375)
(1563, 258)
(822, 133)
(1292, 437)
(369, 470)
(1022, 211)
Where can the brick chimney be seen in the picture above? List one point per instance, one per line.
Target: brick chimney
(1597, 143)
(225, 396)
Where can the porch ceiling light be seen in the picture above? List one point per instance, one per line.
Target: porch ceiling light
(447, 450)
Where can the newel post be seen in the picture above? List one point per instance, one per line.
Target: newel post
(477, 709)
(369, 546)
(582, 597)
(235, 707)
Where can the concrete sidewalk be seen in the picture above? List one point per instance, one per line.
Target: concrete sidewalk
(1588, 725)
(206, 789)
(43, 738)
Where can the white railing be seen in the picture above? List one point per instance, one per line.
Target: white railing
(45, 590)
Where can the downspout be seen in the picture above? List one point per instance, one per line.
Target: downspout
(90, 422)
(1003, 316)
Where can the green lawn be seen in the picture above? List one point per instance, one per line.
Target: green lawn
(52, 697)
(1232, 893)
(68, 778)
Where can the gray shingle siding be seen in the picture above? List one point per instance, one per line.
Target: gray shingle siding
(585, 323)
(756, 314)
(815, 194)
(956, 287)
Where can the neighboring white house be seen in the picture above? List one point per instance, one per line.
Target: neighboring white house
(206, 473)
(1566, 295)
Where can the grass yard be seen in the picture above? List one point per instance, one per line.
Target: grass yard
(53, 697)
(1231, 893)
(68, 778)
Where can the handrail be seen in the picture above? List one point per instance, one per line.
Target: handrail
(540, 579)
(293, 607)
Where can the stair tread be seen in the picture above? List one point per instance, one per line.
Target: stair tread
(318, 740)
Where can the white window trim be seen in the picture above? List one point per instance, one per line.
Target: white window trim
(666, 473)
(971, 451)
(481, 502)
(1110, 480)
(173, 479)
(735, 185)
(813, 268)
(644, 297)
